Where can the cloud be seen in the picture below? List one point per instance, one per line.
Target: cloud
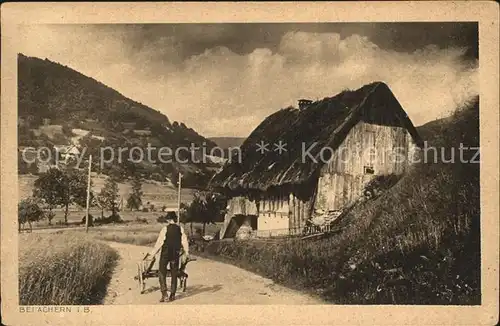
(222, 93)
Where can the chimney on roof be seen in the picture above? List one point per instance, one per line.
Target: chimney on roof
(303, 103)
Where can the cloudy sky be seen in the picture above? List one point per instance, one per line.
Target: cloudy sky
(224, 79)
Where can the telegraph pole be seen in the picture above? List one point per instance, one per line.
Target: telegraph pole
(179, 199)
(88, 197)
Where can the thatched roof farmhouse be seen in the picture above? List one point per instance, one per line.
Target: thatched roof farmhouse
(324, 162)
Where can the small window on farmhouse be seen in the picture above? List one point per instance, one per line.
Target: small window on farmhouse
(369, 170)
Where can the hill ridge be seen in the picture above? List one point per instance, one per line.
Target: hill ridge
(55, 101)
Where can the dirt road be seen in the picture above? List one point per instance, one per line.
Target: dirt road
(210, 282)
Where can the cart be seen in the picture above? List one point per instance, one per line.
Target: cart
(145, 270)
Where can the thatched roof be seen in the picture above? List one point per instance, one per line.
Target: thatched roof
(325, 122)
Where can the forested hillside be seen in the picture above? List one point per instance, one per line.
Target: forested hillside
(55, 101)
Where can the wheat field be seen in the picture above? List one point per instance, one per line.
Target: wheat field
(63, 269)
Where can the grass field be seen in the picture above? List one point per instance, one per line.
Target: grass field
(138, 233)
(155, 193)
(63, 269)
(75, 217)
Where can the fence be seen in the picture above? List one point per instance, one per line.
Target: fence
(295, 231)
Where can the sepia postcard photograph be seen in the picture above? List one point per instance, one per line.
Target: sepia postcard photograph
(245, 163)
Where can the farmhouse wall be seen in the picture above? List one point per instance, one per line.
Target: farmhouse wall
(273, 213)
(367, 151)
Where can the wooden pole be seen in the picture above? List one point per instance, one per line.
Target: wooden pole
(179, 199)
(88, 197)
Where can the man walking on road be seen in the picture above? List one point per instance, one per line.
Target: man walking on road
(172, 241)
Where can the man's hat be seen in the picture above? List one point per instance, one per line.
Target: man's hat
(171, 216)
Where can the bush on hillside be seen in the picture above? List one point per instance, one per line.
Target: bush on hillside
(418, 243)
(380, 184)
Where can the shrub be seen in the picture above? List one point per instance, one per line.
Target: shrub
(115, 218)
(63, 269)
(91, 220)
(112, 219)
(142, 220)
(50, 216)
(29, 211)
(133, 202)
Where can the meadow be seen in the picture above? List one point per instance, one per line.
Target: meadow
(155, 193)
(139, 233)
(63, 269)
